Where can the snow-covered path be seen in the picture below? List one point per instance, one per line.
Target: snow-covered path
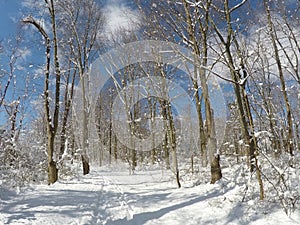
(148, 197)
(75, 202)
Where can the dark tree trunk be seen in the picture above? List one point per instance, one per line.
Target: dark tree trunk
(215, 168)
(85, 164)
(52, 172)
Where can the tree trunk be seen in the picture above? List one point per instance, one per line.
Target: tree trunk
(196, 49)
(68, 101)
(172, 143)
(52, 124)
(85, 164)
(215, 168)
(85, 121)
(133, 159)
(110, 136)
(166, 151)
(290, 145)
(52, 170)
(115, 148)
(169, 125)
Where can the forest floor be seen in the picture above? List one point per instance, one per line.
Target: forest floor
(111, 196)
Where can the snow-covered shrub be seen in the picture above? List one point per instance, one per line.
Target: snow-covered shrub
(282, 178)
(22, 159)
(69, 163)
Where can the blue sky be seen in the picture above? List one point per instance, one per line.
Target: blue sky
(12, 11)
(9, 12)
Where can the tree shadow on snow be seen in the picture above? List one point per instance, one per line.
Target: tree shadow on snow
(142, 218)
(69, 203)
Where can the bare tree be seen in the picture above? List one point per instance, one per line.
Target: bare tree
(52, 121)
(189, 23)
(239, 75)
(275, 42)
(82, 22)
(198, 39)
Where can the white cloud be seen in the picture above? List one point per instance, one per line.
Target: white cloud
(119, 17)
(23, 53)
(33, 4)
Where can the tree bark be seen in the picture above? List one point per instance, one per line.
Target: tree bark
(200, 49)
(51, 124)
(290, 145)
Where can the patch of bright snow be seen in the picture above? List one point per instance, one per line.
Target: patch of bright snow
(148, 197)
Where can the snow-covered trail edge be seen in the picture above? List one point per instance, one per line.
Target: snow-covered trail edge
(148, 197)
(85, 200)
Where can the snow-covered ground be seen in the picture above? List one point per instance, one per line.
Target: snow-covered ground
(112, 196)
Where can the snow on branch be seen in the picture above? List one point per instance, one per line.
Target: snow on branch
(31, 20)
(237, 6)
(194, 4)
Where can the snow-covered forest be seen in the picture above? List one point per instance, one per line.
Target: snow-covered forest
(151, 112)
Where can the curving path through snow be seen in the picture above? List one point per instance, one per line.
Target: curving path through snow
(148, 197)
